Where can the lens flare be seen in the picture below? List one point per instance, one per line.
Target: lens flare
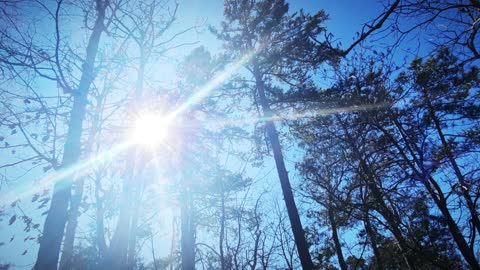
(151, 129)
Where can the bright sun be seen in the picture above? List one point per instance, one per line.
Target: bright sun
(151, 129)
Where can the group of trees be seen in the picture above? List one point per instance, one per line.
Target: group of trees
(402, 162)
(389, 150)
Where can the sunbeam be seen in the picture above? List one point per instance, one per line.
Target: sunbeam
(60, 177)
(216, 81)
(295, 116)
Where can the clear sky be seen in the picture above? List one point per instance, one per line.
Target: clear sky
(346, 16)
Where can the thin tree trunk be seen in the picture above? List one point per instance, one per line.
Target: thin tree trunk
(53, 230)
(138, 193)
(67, 251)
(100, 225)
(373, 240)
(392, 220)
(457, 235)
(172, 245)
(272, 135)
(336, 240)
(131, 253)
(116, 255)
(222, 231)
(188, 232)
(155, 264)
(258, 234)
(74, 211)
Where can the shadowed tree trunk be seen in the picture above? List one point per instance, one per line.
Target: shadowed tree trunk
(67, 250)
(187, 231)
(135, 212)
(100, 217)
(272, 135)
(471, 206)
(336, 240)
(74, 211)
(56, 219)
(373, 240)
(131, 253)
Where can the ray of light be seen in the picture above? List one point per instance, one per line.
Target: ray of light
(212, 84)
(295, 116)
(65, 176)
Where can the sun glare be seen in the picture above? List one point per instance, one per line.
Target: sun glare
(151, 129)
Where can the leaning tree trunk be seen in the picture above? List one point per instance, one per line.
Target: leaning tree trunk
(434, 189)
(336, 239)
(100, 218)
(131, 253)
(373, 240)
(53, 230)
(272, 135)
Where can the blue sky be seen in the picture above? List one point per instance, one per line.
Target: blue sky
(346, 16)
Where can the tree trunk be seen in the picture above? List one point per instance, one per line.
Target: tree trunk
(137, 199)
(272, 135)
(336, 240)
(53, 230)
(391, 219)
(457, 235)
(373, 240)
(74, 211)
(67, 251)
(222, 231)
(100, 225)
(116, 255)
(188, 232)
(131, 253)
